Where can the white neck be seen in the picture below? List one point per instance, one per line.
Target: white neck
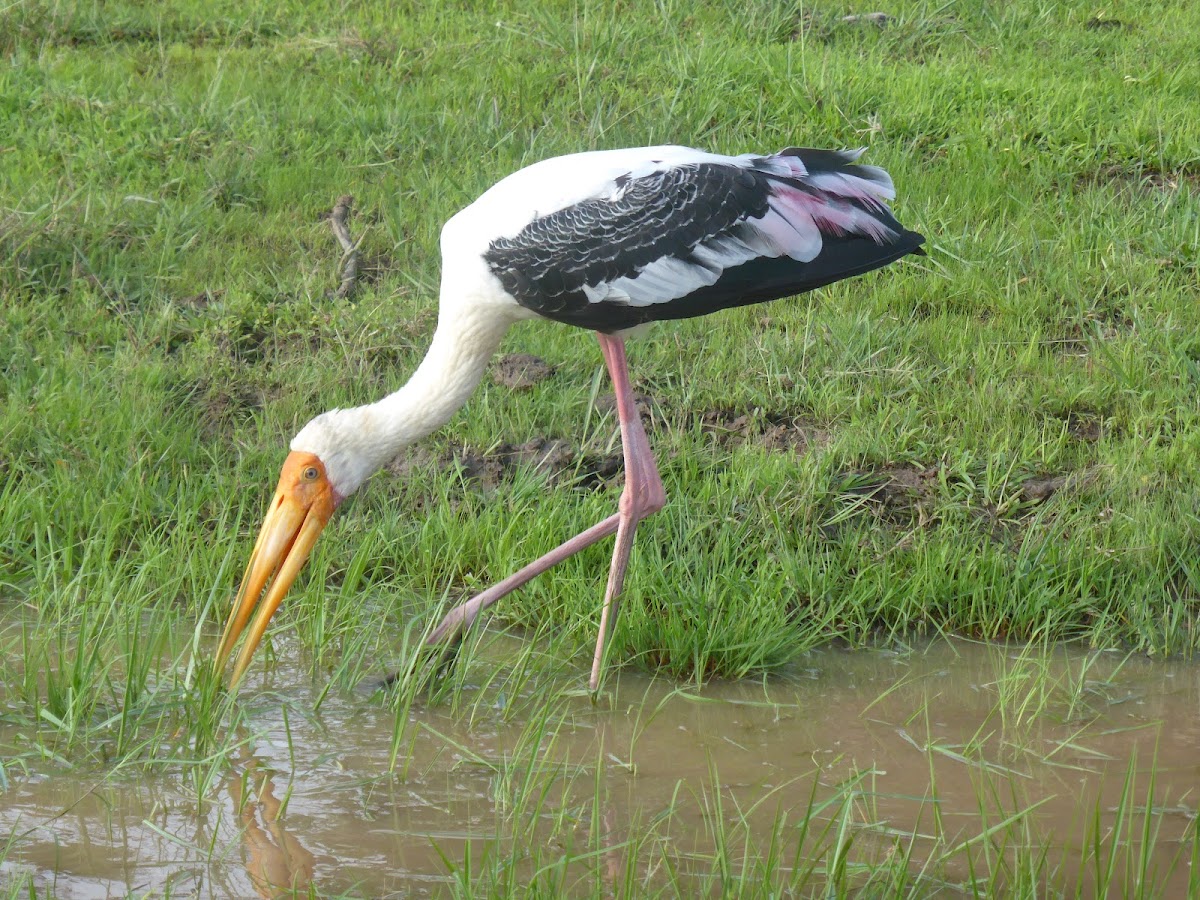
(354, 443)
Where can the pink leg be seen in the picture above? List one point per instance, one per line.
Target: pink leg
(643, 495)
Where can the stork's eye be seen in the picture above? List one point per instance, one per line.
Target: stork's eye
(311, 473)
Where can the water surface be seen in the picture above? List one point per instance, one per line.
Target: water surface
(1003, 752)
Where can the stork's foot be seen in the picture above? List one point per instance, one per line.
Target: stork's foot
(436, 654)
(427, 669)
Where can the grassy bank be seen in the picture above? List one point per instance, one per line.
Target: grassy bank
(997, 441)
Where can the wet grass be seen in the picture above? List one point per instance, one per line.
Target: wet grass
(997, 441)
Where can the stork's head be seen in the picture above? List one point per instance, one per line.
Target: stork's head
(303, 503)
(331, 457)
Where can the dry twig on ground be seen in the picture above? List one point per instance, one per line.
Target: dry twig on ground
(337, 220)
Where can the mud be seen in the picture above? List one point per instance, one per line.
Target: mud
(778, 432)
(563, 462)
(1142, 181)
(520, 371)
(1098, 23)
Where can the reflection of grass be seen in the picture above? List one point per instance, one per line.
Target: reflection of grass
(1036, 683)
(998, 441)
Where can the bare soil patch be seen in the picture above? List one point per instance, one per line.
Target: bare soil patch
(1082, 424)
(1100, 23)
(900, 494)
(646, 405)
(1137, 180)
(521, 371)
(223, 405)
(906, 495)
(775, 431)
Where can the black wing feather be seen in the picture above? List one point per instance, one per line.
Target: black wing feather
(671, 214)
(547, 265)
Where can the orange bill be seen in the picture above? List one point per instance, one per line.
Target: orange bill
(303, 504)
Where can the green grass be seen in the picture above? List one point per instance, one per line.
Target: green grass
(997, 441)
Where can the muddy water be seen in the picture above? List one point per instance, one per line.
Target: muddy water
(940, 743)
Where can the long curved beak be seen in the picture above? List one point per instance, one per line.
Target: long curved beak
(287, 537)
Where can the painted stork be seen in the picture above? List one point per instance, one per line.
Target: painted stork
(608, 241)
